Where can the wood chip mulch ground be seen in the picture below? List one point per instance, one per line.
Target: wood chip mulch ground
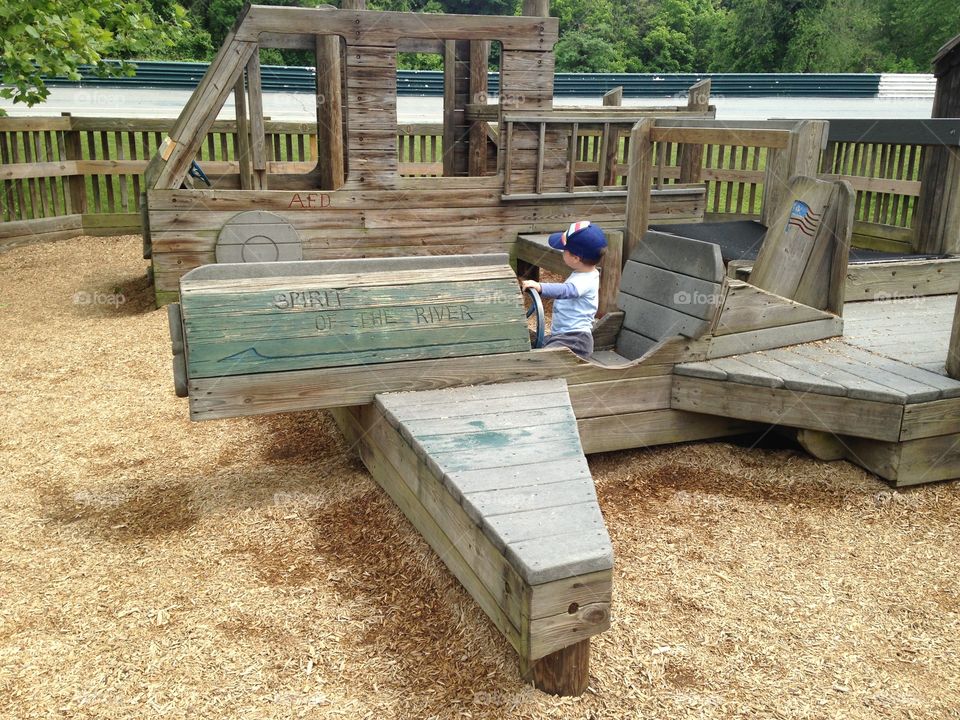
(152, 567)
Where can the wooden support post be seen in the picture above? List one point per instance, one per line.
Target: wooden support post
(614, 98)
(937, 218)
(353, 4)
(572, 156)
(536, 8)
(76, 184)
(330, 164)
(565, 672)
(800, 157)
(691, 156)
(258, 154)
(611, 268)
(479, 54)
(639, 185)
(456, 96)
(953, 351)
(243, 133)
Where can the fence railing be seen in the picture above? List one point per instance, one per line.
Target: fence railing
(60, 176)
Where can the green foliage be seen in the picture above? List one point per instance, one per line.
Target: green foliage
(579, 51)
(55, 37)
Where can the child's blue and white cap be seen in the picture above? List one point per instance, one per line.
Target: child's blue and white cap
(582, 239)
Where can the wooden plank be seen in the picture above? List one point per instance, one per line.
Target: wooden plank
(793, 377)
(873, 281)
(929, 459)
(27, 232)
(653, 427)
(695, 297)
(754, 137)
(254, 325)
(747, 308)
(634, 345)
(303, 390)
(258, 155)
(945, 387)
(658, 321)
(737, 371)
(911, 391)
(242, 147)
(780, 406)
(679, 254)
(194, 122)
(820, 361)
(793, 233)
(384, 29)
(639, 181)
(535, 250)
(938, 417)
(618, 397)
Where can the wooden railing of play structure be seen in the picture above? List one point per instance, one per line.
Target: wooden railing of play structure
(65, 176)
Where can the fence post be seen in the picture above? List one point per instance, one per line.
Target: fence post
(691, 156)
(76, 184)
(614, 98)
(800, 157)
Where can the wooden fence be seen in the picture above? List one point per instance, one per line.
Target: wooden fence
(63, 176)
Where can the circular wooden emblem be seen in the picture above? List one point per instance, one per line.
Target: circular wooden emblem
(258, 236)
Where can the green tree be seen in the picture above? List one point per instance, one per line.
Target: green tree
(580, 51)
(53, 38)
(839, 36)
(914, 30)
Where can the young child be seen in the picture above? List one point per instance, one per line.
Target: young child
(577, 298)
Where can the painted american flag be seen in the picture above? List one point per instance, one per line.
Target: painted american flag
(802, 217)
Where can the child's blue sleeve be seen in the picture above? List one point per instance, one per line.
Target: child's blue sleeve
(559, 291)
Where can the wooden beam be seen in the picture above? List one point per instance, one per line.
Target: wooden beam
(243, 134)
(456, 96)
(691, 155)
(536, 8)
(330, 159)
(257, 130)
(477, 157)
(384, 29)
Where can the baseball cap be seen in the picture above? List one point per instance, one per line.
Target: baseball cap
(583, 239)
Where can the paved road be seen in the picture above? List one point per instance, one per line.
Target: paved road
(112, 102)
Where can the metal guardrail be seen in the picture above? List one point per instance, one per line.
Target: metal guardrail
(430, 83)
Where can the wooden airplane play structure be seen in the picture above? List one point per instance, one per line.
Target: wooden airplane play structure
(514, 167)
(392, 302)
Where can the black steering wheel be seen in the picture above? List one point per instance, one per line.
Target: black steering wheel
(196, 172)
(537, 307)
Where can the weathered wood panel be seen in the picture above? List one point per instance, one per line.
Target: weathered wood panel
(370, 312)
